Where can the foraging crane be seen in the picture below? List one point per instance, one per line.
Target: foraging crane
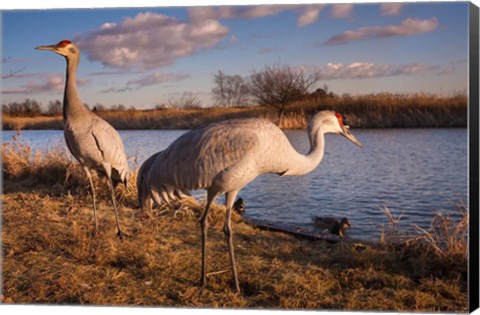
(90, 139)
(224, 157)
(144, 198)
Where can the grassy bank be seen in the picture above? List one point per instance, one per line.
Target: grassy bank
(49, 255)
(368, 111)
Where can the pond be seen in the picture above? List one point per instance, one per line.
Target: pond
(410, 171)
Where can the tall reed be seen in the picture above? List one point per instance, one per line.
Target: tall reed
(364, 111)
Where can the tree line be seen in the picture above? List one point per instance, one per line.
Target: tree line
(32, 108)
(274, 86)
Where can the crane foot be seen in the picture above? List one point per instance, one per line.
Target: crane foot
(237, 289)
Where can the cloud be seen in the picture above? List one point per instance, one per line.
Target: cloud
(157, 78)
(407, 27)
(451, 67)
(115, 72)
(235, 12)
(149, 40)
(391, 9)
(148, 80)
(365, 70)
(341, 11)
(226, 44)
(447, 70)
(233, 39)
(309, 14)
(258, 11)
(53, 83)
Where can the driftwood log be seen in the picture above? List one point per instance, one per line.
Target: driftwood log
(298, 231)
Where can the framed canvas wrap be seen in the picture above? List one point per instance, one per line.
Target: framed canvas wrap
(308, 156)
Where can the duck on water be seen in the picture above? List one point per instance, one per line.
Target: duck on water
(333, 225)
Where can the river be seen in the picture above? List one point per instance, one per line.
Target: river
(410, 171)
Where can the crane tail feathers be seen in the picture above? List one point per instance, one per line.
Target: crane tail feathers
(171, 195)
(164, 196)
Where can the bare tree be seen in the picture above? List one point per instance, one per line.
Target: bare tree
(229, 90)
(11, 73)
(279, 85)
(54, 108)
(98, 108)
(28, 108)
(185, 100)
(119, 107)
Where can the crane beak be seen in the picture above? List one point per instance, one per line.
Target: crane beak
(347, 134)
(50, 47)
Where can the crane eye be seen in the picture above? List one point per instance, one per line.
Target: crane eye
(64, 43)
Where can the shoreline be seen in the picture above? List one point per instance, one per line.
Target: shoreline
(57, 260)
(157, 264)
(366, 111)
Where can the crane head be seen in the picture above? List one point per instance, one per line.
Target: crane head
(65, 48)
(345, 130)
(330, 121)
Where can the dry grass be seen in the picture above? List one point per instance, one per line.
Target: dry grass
(389, 110)
(447, 237)
(365, 111)
(50, 256)
(39, 122)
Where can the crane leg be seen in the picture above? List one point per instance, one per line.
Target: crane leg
(112, 192)
(227, 229)
(89, 175)
(108, 172)
(211, 196)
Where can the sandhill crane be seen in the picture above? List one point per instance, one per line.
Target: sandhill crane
(144, 199)
(224, 157)
(90, 139)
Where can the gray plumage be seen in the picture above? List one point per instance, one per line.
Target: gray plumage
(144, 198)
(224, 157)
(90, 139)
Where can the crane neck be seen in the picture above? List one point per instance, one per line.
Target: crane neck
(304, 164)
(317, 148)
(72, 105)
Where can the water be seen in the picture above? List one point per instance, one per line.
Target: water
(415, 171)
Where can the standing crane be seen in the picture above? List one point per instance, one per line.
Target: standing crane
(224, 157)
(90, 139)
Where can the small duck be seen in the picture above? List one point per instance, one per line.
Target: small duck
(333, 225)
(239, 206)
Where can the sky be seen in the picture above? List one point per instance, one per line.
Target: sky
(147, 56)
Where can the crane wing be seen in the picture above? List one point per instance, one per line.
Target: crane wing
(194, 159)
(110, 145)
